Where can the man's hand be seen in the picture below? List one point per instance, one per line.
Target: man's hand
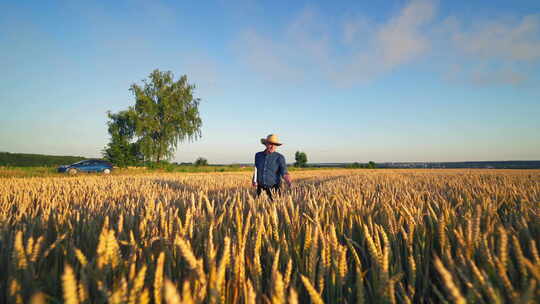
(287, 179)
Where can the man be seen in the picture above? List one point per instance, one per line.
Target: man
(270, 167)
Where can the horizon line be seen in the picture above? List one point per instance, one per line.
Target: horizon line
(334, 162)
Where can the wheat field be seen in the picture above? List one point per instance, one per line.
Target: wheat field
(336, 236)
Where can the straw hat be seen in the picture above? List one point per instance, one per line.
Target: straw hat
(271, 139)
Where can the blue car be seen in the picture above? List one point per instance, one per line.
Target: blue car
(91, 165)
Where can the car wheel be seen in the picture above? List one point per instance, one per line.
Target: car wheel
(107, 171)
(72, 171)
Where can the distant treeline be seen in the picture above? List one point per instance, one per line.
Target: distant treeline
(35, 160)
(511, 164)
(355, 165)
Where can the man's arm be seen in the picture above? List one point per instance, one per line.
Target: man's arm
(284, 172)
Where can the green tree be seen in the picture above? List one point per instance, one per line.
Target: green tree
(121, 150)
(201, 162)
(371, 165)
(166, 113)
(300, 159)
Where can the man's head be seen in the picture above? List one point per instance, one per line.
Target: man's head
(271, 142)
(270, 148)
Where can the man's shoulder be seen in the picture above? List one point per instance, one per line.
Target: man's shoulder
(279, 155)
(259, 153)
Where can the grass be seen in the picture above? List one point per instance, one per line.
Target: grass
(27, 171)
(52, 171)
(336, 236)
(6, 172)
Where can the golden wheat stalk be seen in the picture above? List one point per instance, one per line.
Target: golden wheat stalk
(69, 286)
(15, 291)
(449, 282)
(313, 294)
(38, 298)
(158, 278)
(171, 293)
(138, 285)
(19, 253)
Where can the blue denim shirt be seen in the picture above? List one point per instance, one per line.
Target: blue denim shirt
(270, 168)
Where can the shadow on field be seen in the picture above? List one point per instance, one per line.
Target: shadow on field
(317, 181)
(212, 194)
(223, 192)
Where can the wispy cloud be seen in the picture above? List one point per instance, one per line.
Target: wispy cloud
(202, 70)
(358, 51)
(290, 56)
(496, 51)
(398, 41)
(268, 58)
(308, 46)
(401, 39)
(503, 40)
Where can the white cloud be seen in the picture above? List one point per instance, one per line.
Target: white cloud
(401, 39)
(478, 52)
(398, 41)
(506, 75)
(309, 35)
(289, 57)
(499, 51)
(499, 39)
(354, 29)
(267, 57)
(307, 47)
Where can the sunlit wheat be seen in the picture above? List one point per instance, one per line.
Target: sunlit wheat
(337, 236)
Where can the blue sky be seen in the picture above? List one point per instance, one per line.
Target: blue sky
(341, 80)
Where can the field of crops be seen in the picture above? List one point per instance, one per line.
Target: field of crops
(379, 236)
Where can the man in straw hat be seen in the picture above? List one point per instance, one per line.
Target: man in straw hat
(270, 167)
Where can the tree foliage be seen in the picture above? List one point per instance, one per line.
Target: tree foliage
(201, 162)
(36, 160)
(300, 159)
(165, 113)
(121, 150)
(357, 165)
